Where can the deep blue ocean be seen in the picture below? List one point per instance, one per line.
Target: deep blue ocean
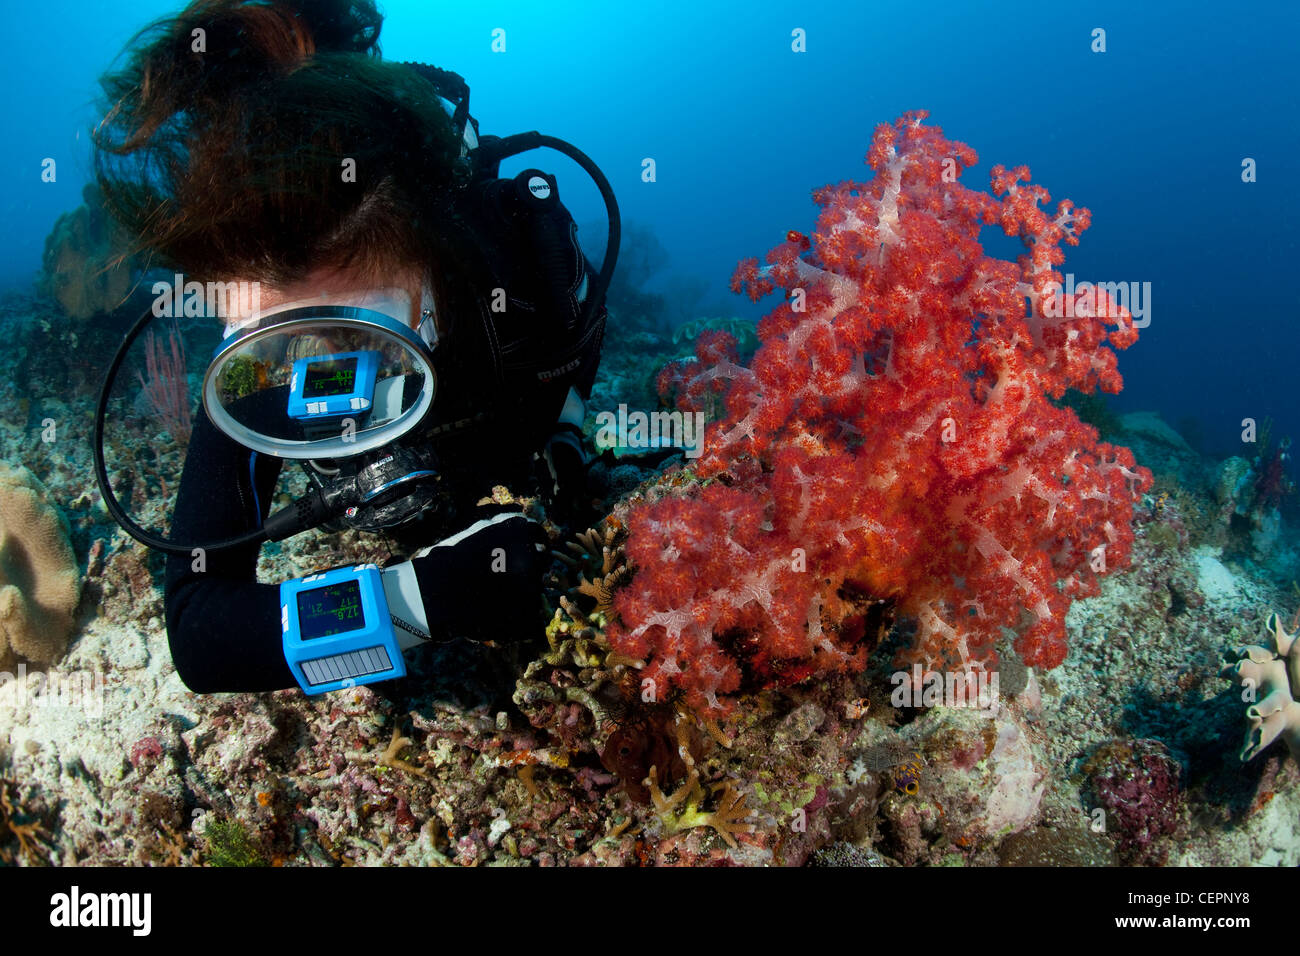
(1150, 134)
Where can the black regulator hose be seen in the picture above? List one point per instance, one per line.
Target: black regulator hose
(318, 507)
(489, 152)
(305, 513)
(492, 151)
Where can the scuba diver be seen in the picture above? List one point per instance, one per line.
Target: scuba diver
(424, 331)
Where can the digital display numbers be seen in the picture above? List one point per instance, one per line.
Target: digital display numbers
(330, 377)
(332, 609)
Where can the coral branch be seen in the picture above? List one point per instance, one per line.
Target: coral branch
(165, 385)
(680, 810)
(894, 437)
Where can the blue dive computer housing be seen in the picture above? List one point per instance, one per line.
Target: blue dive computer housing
(324, 388)
(337, 629)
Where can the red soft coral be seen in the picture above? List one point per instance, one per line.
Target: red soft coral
(892, 436)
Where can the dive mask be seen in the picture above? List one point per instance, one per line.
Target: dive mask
(324, 378)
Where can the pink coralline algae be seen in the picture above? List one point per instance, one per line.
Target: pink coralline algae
(145, 750)
(1137, 784)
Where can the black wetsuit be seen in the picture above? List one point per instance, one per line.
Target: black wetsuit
(224, 627)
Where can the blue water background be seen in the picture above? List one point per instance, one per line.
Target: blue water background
(1150, 135)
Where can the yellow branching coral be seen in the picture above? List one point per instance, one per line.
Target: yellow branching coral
(27, 831)
(573, 640)
(598, 548)
(392, 755)
(681, 811)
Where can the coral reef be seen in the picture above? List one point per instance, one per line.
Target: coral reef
(20, 828)
(355, 778)
(1138, 785)
(1249, 495)
(85, 268)
(960, 780)
(229, 844)
(592, 765)
(1160, 559)
(742, 330)
(587, 697)
(1047, 846)
(574, 689)
(680, 810)
(1270, 674)
(40, 584)
(894, 439)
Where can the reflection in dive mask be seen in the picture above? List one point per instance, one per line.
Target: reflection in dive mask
(311, 380)
(336, 387)
(342, 387)
(284, 382)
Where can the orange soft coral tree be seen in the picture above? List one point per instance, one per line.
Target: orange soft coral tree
(892, 436)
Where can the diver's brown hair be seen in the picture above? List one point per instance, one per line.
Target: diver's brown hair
(223, 151)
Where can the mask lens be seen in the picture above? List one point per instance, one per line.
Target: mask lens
(322, 382)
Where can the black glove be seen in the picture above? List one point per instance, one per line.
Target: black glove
(485, 583)
(562, 477)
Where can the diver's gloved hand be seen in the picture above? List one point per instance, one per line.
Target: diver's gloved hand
(485, 583)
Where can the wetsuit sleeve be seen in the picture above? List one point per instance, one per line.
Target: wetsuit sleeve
(223, 627)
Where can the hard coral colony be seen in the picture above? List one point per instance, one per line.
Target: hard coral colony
(894, 437)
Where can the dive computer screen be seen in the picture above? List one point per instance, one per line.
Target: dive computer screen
(330, 377)
(332, 609)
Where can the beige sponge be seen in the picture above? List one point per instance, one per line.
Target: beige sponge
(39, 580)
(1271, 671)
